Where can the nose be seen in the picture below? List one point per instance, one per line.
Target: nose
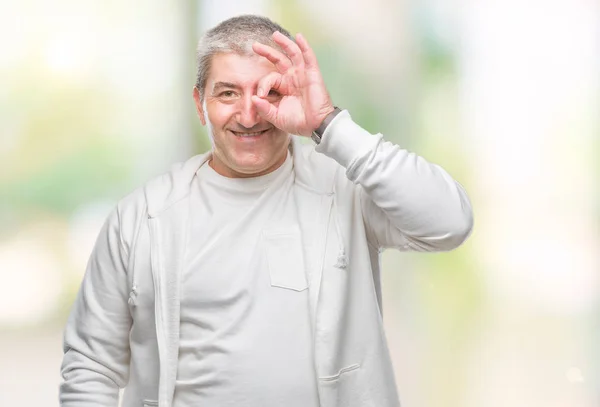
(247, 115)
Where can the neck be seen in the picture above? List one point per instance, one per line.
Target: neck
(222, 169)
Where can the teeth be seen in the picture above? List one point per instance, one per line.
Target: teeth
(249, 134)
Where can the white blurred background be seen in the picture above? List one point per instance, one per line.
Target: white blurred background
(95, 98)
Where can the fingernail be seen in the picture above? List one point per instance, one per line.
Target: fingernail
(260, 92)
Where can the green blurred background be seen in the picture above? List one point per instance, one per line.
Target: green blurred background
(95, 98)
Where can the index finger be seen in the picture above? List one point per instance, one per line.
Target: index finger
(309, 56)
(281, 62)
(290, 47)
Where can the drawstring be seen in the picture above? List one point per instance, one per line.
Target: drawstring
(132, 295)
(342, 259)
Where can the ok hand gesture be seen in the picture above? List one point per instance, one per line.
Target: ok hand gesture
(304, 102)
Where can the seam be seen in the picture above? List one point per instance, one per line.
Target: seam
(310, 189)
(101, 374)
(371, 236)
(90, 369)
(268, 233)
(368, 155)
(320, 266)
(121, 240)
(130, 268)
(141, 219)
(285, 287)
(156, 213)
(341, 371)
(342, 258)
(158, 302)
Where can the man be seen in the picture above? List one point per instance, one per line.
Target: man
(249, 275)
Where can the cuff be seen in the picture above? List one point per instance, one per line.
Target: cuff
(345, 140)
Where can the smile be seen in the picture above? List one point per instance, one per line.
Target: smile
(250, 135)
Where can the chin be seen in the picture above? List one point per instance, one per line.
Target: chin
(252, 165)
(248, 162)
(251, 169)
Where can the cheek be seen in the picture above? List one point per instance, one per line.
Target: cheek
(219, 116)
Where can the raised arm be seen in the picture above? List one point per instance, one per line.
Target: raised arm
(407, 202)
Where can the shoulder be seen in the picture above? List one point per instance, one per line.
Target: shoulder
(320, 172)
(314, 170)
(155, 195)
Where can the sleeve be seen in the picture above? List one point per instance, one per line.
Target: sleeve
(96, 339)
(407, 203)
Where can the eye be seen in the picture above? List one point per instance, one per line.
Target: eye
(274, 93)
(227, 94)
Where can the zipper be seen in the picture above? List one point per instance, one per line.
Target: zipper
(133, 292)
(155, 262)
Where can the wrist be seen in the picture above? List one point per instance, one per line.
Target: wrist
(317, 133)
(330, 109)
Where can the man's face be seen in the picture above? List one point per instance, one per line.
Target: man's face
(244, 144)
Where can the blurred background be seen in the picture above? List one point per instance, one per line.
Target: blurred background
(96, 98)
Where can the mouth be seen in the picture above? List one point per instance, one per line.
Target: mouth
(249, 136)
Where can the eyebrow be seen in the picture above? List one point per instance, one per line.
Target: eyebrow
(219, 85)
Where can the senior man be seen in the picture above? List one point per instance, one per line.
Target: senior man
(250, 275)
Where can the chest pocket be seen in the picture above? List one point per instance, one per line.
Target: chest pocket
(285, 260)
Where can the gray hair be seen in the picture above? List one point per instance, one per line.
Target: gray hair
(234, 35)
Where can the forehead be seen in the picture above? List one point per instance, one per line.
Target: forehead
(242, 70)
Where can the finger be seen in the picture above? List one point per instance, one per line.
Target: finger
(281, 62)
(310, 59)
(268, 82)
(290, 48)
(267, 110)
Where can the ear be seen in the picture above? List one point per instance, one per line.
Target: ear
(199, 107)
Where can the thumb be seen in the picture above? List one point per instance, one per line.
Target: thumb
(267, 110)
